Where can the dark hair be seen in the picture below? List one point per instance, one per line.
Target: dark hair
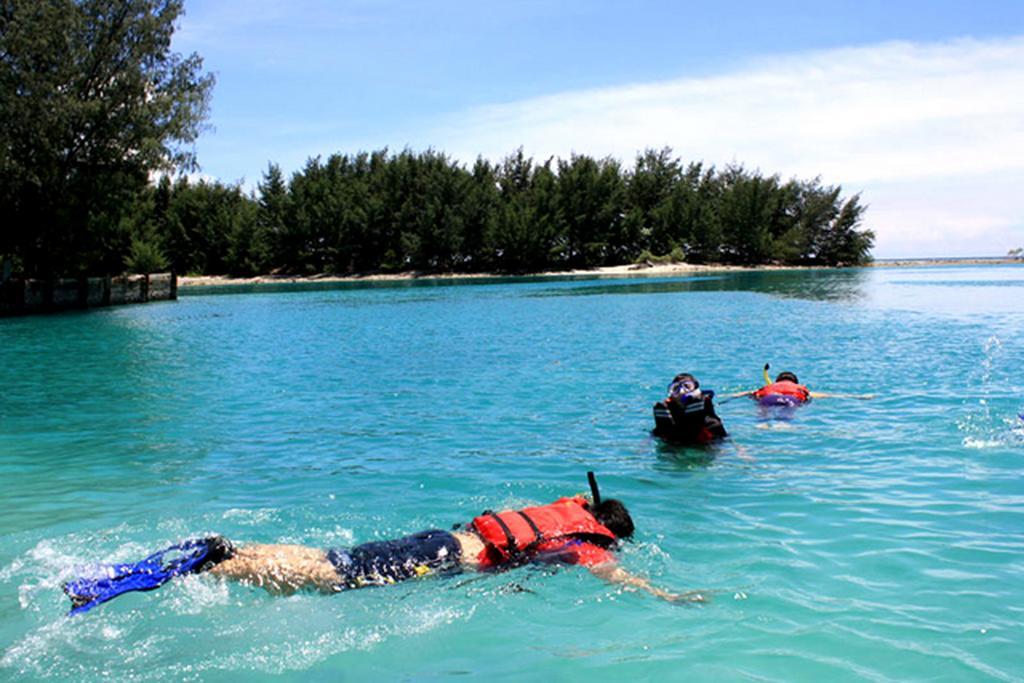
(685, 375)
(614, 515)
(787, 377)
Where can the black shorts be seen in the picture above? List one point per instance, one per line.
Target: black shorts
(383, 562)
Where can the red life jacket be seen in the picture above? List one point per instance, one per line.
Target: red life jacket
(785, 388)
(514, 533)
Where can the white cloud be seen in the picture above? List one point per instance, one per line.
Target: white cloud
(932, 133)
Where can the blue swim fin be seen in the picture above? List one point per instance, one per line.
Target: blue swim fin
(190, 557)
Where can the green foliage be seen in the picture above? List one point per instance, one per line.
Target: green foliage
(92, 101)
(647, 257)
(145, 257)
(272, 216)
(674, 256)
(213, 228)
(655, 203)
(424, 212)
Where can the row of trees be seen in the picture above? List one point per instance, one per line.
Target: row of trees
(423, 211)
(94, 104)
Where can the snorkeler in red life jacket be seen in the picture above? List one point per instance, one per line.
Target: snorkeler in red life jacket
(571, 531)
(564, 531)
(687, 415)
(786, 391)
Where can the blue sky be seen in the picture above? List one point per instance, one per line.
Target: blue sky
(918, 105)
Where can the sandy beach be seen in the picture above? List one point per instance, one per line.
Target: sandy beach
(608, 271)
(630, 270)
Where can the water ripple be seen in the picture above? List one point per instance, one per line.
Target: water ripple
(860, 539)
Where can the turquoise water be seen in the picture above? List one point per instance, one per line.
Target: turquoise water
(877, 540)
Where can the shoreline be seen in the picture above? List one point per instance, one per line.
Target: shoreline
(630, 270)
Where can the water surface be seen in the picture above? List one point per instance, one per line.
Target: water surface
(858, 540)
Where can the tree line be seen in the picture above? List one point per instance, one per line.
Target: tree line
(94, 105)
(408, 211)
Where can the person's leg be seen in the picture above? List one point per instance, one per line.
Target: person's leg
(288, 568)
(280, 569)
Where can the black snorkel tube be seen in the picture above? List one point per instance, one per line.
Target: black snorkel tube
(595, 493)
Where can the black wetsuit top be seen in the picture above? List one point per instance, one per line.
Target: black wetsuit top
(690, 428)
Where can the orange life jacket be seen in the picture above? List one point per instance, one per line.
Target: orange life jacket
(514, 533)
(785, 388)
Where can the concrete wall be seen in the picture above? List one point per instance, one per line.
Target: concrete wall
(128, 289)
(163, 287)
(42, 296)
(97, 292)
(36, 293)
(65, 294)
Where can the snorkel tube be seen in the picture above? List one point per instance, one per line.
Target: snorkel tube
(594, 492)
(767, 377)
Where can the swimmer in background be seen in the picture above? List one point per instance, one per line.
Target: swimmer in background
(787, 391)
(571, 531)
(687, 415)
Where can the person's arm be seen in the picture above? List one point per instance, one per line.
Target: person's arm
(740, 393)
(822, 394)
(613, 573)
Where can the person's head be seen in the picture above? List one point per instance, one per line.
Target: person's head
(685, 378)
(612, 514)
(787, 377)
(683, 387)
